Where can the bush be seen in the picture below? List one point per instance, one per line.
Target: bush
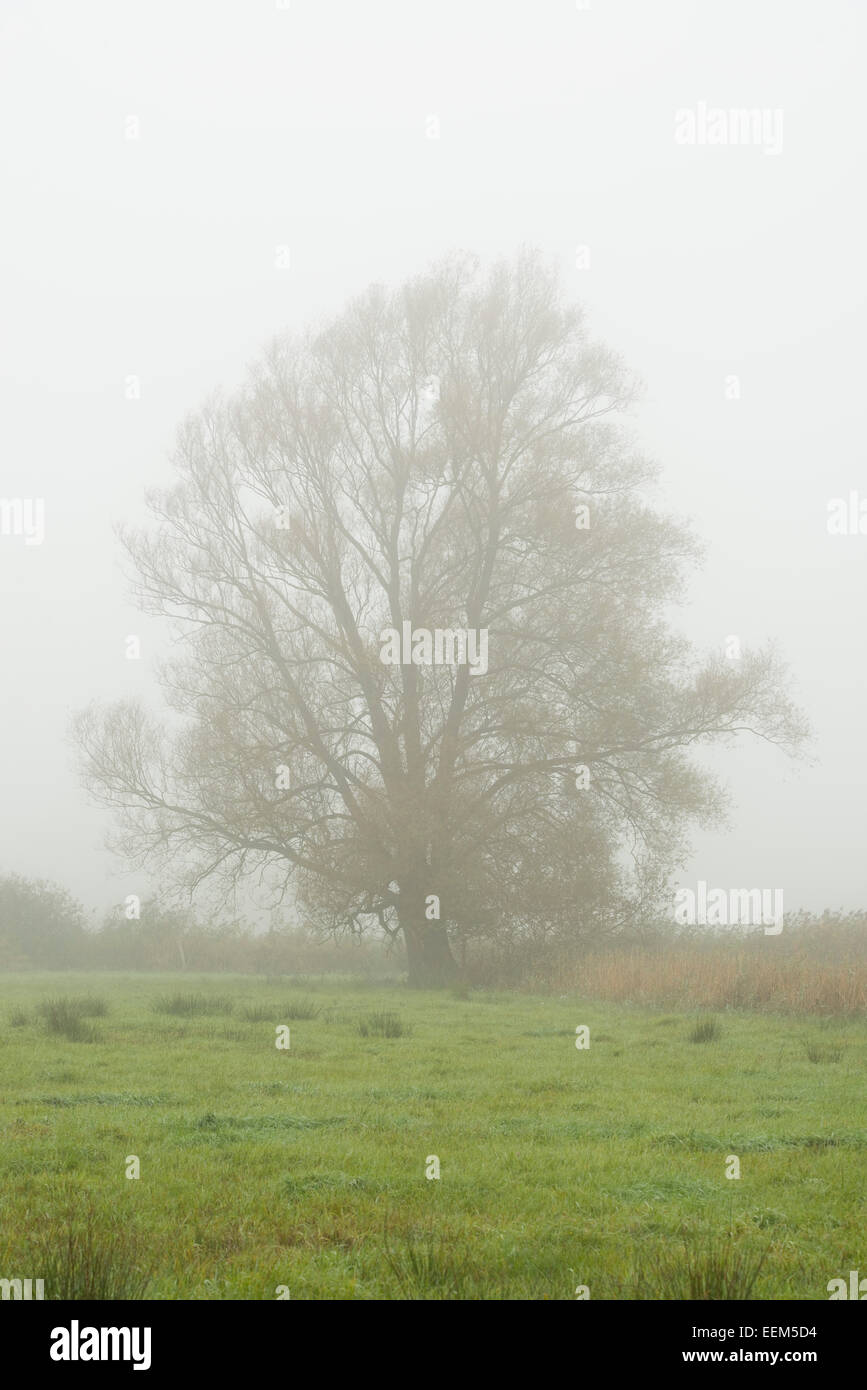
(40, 924)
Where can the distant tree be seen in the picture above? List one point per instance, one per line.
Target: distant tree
(154, 938)
(447, 456)
(40, 923)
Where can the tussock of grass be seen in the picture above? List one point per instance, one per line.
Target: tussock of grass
(705, 1030)
(815, 1053)
(66, 1017)
(101, 1098)
(432, 1266)
(276, 1088)
(92, 1006)
(264, 1123)
(193, 1005)
(383, 1025)
(758, 1142)
(86, 1006)
(258, 1013)
(88, 1253)
(299, 1187)
(706, 1267)
(298, 1009)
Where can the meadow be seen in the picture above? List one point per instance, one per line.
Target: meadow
(302, 1172)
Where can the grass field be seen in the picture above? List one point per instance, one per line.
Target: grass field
(305, 1169)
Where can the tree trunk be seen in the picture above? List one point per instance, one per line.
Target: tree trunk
(429, 955)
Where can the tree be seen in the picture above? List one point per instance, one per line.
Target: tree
(40, 923)
(446, 458)
(154, 937)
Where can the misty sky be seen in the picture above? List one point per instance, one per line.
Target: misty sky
(307, 126)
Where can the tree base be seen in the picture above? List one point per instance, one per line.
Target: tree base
(429, 956)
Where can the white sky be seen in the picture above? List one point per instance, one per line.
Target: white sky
(306, 126)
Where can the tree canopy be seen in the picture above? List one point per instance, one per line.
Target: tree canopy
(450, 457)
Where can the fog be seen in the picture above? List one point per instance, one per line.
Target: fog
(184, 181)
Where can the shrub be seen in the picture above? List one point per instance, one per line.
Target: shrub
(41, 925)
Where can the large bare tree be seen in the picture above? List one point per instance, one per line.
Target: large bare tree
(450, 456)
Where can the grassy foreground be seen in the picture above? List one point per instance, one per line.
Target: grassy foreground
(304, 1170)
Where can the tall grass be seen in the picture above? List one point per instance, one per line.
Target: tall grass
(383, 1025)
(705, 1267)
(300, 1009)
(816, 1053)
(67, 1016)
(87, 1254)
(193, 1005)
(429, 1266)
(258, 1013)
(705, 1030)
(714, 977)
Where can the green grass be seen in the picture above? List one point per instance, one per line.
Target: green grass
(383, 1025)
(306, 1167)
(706, 1030)
(67, 1017)
(303, 1009)
(192, 1005)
